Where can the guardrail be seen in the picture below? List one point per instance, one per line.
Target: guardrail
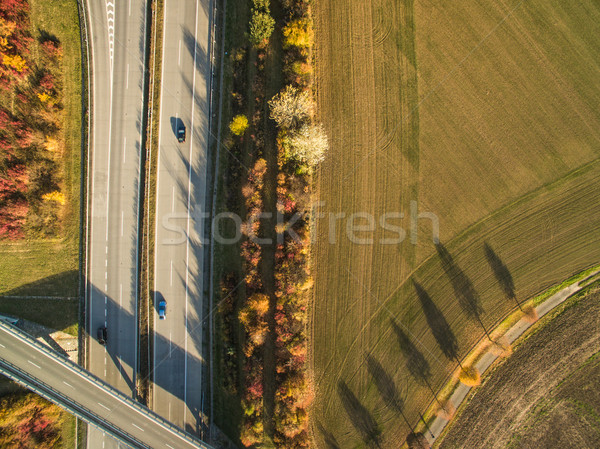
(34, 383)
(53, 395)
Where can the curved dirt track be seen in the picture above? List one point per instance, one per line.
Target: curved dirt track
(545, 395)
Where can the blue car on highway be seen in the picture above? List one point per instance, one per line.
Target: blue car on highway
(162, 309)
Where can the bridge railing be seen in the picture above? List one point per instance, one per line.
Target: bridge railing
(50, 393)
(126, 400)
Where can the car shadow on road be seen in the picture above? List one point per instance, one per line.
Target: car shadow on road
(172, 361)
(176, 123)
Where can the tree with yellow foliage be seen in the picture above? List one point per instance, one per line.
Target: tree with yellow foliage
(16, 62)
(298, 33)
(238, 125)
(7, 28)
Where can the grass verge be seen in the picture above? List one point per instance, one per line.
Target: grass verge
(227, 410)
(59, 314)
(28, 261)
(149, 210)
(50, 267)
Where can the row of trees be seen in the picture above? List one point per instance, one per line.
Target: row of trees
(269, 308)
(253, 313)
(301, 145)
(292, 287)
(30, 120)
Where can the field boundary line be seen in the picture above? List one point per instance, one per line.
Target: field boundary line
(25, 297)
(463, 235)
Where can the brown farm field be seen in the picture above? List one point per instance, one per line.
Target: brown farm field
(484, 114)
(549, 388)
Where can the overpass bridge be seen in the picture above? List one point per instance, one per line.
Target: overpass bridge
(39, 368)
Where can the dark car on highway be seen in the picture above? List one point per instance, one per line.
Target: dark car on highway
(181, 133)
(102, 338)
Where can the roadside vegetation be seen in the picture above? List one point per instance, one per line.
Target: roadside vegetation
(40, 111)
(40, 138)
(495, 131)
(27, 421)
(558, 364)
(273, 146)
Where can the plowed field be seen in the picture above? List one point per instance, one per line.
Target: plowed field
(486, 114)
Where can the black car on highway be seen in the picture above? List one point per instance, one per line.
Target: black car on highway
(181, 132)
(102, 337)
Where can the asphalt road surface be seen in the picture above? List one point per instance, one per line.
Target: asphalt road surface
(116, 31)
(65, 382)
(181, 187)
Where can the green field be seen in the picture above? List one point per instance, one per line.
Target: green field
(486, 115)
(24, 265)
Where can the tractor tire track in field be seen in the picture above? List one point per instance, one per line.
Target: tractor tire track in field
(373, 167)
(490, 163)
(520, 402)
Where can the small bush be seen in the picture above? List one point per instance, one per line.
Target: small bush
(470, 376)
(416, 440)
(530, 314)
(298, 33)
(261, 27)
(239, 125)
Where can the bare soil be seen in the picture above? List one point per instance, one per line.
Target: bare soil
(545, 395)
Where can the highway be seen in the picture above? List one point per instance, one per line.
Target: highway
(181, 190)
(117, 45)
(66, 383)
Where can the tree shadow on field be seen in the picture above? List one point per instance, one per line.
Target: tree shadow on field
(416, 363)
(464, 289)
(45, 36)
(385, 385)
(328, 437)
(501, 272)
(387, 388)
(461, 284)
(359, 416)
(440, 328)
